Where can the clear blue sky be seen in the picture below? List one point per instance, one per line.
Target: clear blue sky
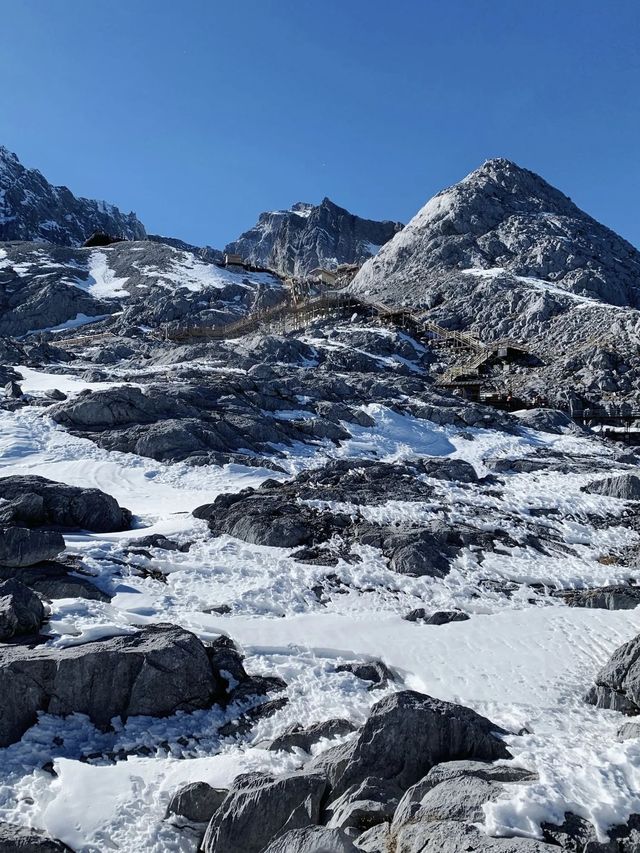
(199, 114)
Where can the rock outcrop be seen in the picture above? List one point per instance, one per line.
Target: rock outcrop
(32, 209)
(21, 611)
(155, 671)
(20, 546)
(38, 502)
(617, 684)
(295, 241)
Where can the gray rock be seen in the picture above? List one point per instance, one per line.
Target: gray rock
(459, 799)
(22, 839)
(196, 802)
(259, 808)
(55, 580)
(405, 735)
(156, 671)
(20, 546)
(419, 553)
(549, 420)
(362, 806)
(38, 502)
(313, 839)
(13, 390)
(455, 837)
(374, 840)
(21, 611)
(456, 790)
(295, 737)
(295, 241)
(440, 617)
(36, 210)
(618, 683)
(626, 487)
(629, 730)
(55, 394)
(375, 671)
(620, 597)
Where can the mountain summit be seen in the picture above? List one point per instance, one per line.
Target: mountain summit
(33, 209)
(503, 220)
(294, 241)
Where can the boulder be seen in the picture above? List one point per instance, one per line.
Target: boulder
(313, 839)
(619, 597)
(156, 671)
(53, 580)
(196, 802)
(460, 798)
(38, 502)
(295, 737)
(21, 611)
(405, 735)
(22, 839)
(548, 420)
(375, 671)
(440, 617)
(419, 553)
(362, 806)
(374, 840)
(456, 790)
(626, 487)
(259, 808)
(618, 683)
(455, 837)
(20, 546)
(629, 730)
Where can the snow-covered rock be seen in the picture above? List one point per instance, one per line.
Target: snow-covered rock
(33, 209)
(307, 236)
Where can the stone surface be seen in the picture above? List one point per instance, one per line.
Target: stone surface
(156, 671)
(296, 737)
(21, 839)
(455, 837)
(625, 486)
(405, 735)
(38, 502)
(21, 611)
(20, 546)
(312, 839)
(196, 802)
(375, 671)
(619, 597)
(259, 808)
(617, 684)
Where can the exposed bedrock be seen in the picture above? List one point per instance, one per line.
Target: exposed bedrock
(32, 501)
(617, 684)
(155, 671)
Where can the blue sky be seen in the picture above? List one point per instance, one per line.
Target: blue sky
(199, 114)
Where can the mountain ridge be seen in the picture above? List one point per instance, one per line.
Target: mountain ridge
(32, 209)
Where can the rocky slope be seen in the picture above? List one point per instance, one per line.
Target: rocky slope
(502, 219)
(32, 209)
(144, 283)
(505, 255)
(295, 241)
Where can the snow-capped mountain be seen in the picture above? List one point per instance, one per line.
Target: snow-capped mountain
(503, 219)
(294, 241)
(33, 209)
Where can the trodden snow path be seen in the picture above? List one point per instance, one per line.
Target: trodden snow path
(525, 666)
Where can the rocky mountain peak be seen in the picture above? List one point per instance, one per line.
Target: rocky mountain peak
(503, 220)
(32, 209)
(295, 241)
